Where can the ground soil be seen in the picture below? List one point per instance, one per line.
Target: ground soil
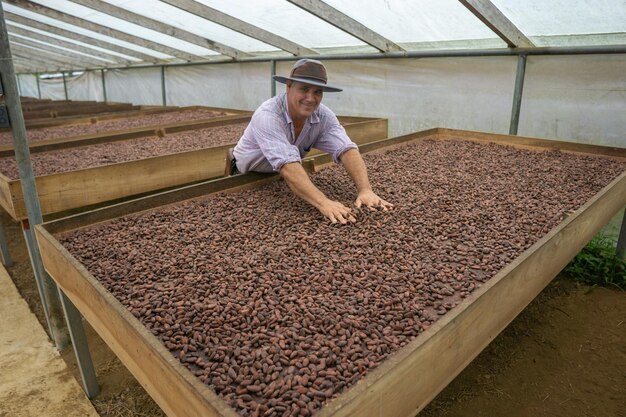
(563, 356)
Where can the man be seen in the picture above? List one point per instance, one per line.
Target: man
(284, 128)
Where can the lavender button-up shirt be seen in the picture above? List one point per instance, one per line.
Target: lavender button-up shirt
(268, 142)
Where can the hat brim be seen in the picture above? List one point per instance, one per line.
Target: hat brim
(326, 87)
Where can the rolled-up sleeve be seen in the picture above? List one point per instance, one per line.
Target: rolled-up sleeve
(334, 139)
(272, 137)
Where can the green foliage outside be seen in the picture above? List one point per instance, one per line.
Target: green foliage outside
(598, 265)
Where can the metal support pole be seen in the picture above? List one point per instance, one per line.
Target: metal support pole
(38, 86)
(517, 95)
(621, 241)
(163, 85)
(272, 80)
(104, 85)
(19, 85)
(4, 248)
(81, 348)
(65, 85)
(46, 286)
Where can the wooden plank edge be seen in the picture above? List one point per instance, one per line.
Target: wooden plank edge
(160, 199)
(427, 364)
(48, 145)
(555, 144)
(169, 383)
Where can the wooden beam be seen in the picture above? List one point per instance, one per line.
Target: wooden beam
(491, 16)
(103, 30)
(78, 37)
(55, 51)
(24, 65)
(161, 27)
(347, 24)
(59, 43)
(43, 57)
(240, 26)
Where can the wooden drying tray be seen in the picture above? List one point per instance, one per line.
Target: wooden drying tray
(144, 110)
(162, 130)
(73, 110)
(405, 382)
(89, 186)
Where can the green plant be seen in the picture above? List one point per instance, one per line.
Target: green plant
(597, 264)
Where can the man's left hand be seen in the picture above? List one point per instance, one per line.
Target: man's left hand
(370, 200)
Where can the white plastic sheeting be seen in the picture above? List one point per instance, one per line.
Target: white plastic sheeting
(87, 87)
(565, 17)
(52, 88)
(27, 85)
(416, 21)
(578, 98)
(234, 86)
(575, 97)
(137, 86)
(468, 93)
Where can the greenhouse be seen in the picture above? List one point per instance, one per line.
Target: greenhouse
(383, 208)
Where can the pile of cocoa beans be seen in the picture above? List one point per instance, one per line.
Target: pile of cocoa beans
(279, 311)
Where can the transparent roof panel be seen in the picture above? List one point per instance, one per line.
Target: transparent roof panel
(183, 20)
(286, 20)
(565, 17)
(62, 25)
(124, 26)
(415, 21)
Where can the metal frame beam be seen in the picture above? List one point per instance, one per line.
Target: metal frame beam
(495, 20)
(620, 250)
(48, 290)
(81, 38)
(448, 53)
(517, 94)
(161, 27)
(347, 24)
(240, 26)
(103, 30)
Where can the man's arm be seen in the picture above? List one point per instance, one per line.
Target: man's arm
(301, 185)
(355, 166)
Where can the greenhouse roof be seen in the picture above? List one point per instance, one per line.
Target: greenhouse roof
(52, 35)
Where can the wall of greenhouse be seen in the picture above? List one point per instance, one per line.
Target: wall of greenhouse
(578, 98)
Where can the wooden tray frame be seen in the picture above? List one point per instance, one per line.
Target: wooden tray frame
(85, 187)
(406, 381)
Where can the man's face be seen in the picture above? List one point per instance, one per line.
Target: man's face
(303, 99)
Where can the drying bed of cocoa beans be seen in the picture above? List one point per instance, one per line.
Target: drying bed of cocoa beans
(72, 159)
(103, 126)
(279, 311)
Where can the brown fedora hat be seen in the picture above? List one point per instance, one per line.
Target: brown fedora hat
(308, 71)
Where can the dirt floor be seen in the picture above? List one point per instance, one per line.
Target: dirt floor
(564, 356)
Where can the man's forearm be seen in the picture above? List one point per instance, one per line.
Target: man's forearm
(353, 162)
(301, 185)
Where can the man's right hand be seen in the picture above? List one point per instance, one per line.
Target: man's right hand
(337, 212)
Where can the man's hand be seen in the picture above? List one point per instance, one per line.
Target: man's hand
(336, 212)
(372, 201)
